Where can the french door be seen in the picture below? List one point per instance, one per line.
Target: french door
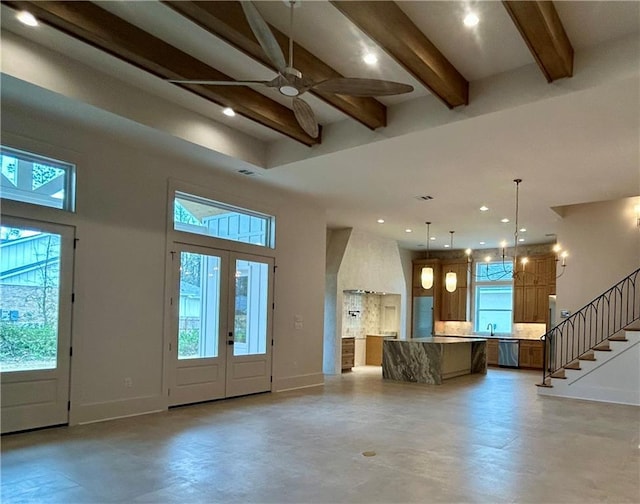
(220, 324)
(36, 276)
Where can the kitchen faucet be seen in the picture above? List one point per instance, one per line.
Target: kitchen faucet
(491, 327)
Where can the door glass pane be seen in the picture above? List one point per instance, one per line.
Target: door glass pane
(29, 299)
(199, 306)
(250, 316)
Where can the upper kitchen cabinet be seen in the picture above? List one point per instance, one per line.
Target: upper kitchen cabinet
(533, 284)
(453, 306)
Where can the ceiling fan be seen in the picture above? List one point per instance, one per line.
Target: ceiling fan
(290, 81)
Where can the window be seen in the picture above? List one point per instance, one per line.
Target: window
(493, 297)
(37, 180)
(193, 214)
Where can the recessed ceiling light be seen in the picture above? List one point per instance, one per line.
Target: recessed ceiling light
(482, 243)
(432, 238)
(505, 220)
(380, 221)
(27, 18)
(523, 230)
(370, 59)
(446, 245)
(407, 230)
(229, 112)
(471, 20)
(520, 239)
(484, 208)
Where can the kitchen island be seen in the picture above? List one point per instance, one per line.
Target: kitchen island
(433, 359)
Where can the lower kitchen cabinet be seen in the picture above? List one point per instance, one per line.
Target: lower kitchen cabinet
(374, 350)
(348, 353)
(492, 352)
(531, 354)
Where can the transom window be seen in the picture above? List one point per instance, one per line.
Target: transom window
(493, 297)
(193, 214)
(37, 180)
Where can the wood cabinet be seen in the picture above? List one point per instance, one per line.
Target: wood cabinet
(531, 354)
(348, 353)
(492, 352)
(373, 356)
(453, 305)
(532, 286)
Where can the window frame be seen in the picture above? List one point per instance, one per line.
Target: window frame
(69, 185)
(506, 281)
(269, 220)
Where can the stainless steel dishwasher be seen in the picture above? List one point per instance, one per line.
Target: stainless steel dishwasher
(508, 350)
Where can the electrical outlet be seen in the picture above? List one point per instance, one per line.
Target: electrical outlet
(128, 382)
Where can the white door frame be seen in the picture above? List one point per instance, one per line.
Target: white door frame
(49, 389)
(209, 378)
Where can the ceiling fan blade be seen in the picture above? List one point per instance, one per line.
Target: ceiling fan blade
(305, 117)
(362, 87)
(222, 83)
(263, 34)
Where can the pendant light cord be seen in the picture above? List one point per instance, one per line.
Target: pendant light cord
(428, 237)
(515, 234)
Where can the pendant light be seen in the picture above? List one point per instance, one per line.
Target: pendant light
(426, 275)
(451, 279)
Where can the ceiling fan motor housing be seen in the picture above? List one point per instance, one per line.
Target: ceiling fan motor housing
(291, 83)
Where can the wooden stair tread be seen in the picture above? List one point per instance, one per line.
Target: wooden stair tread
(573, 365)
(559, 374)
(544, 385)
(587, 357)
(618, 338)
(602, 347)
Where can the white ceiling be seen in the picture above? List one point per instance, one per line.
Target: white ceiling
(573, 141)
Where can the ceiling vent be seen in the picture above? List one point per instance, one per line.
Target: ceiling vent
(248, 173)
(424, 198)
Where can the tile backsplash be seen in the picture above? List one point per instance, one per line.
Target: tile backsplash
(523, 331)
(453, 328)
(360, 315)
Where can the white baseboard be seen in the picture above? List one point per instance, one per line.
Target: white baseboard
(298, 382)
(110, 410)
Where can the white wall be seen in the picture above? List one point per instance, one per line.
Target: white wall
(120, 263)
(365, 262)
(604, 246)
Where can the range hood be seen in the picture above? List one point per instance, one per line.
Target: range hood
(362, 291)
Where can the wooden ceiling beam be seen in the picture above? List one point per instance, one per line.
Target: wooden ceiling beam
(226, 20)
(95, 26)
(393, 31)
(541, 28)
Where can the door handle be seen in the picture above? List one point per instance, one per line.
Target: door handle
(230, 338)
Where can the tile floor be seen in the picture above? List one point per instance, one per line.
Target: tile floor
(487, 439)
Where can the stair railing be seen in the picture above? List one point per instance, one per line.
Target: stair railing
(591, 325)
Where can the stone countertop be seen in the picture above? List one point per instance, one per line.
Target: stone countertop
(439, 339)
(433, 359)
(487, 336)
